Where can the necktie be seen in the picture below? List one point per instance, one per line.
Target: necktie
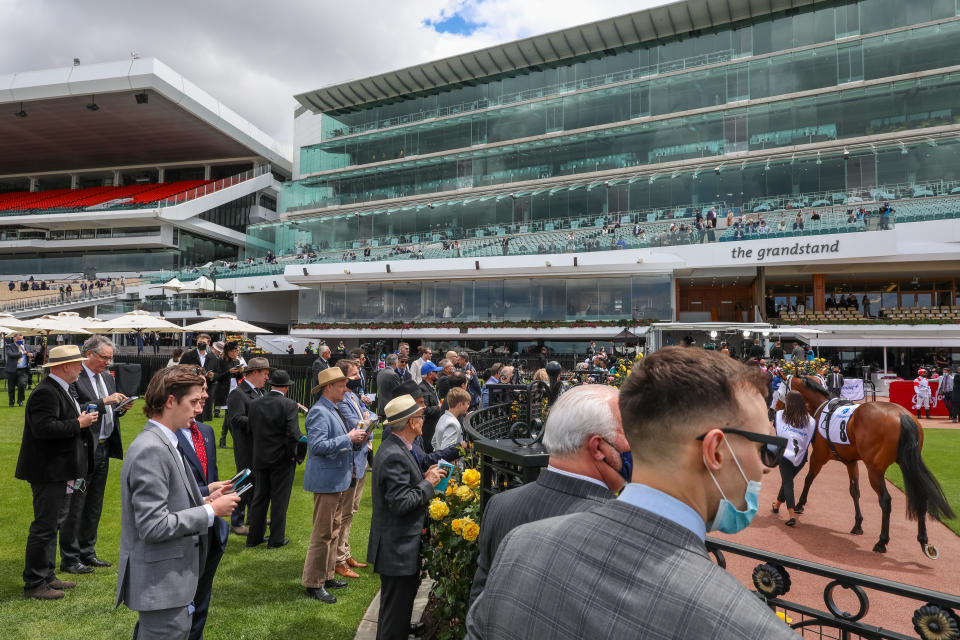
(107, 425)
(76, 399)
(198, 445)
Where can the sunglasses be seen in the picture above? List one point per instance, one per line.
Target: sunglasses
(770, 453)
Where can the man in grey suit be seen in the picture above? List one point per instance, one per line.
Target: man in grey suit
(588, 465)
(164, 519)
(640, 563)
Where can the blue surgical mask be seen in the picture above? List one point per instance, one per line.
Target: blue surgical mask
(20, 342)
(728, 518)
(626, 465)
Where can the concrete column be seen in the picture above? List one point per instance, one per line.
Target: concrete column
(74, 181)
(819, 292)
(34, 184)
(161, 174)
(116, 178)
(206, 172)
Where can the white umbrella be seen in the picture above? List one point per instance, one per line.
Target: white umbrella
(203, 284)
(137, 322)
(56, 324)
(173, 285)
(225, 323)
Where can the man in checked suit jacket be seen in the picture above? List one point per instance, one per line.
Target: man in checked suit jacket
(96, 386)
(164, 518)
(55, 451)
(238, 413)
(401, 493)
(585, 439)
(640, 563)
(207, 480)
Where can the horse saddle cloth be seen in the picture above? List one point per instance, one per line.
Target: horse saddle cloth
(833, 421)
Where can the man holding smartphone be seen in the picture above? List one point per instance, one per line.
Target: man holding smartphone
(96, 387)
(164, 517)
(55, 452)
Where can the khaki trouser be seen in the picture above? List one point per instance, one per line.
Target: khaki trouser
(349, 504)
(322, 551)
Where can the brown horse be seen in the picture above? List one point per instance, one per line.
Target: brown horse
(879, 433)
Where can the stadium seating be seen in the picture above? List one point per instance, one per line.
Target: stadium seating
(894, 315)
(132, 196)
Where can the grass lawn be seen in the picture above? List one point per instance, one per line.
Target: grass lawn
(941, 450)
(256, 593)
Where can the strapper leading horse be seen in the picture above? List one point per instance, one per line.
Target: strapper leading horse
(879, 434)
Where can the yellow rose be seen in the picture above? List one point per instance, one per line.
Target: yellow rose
(451, 488)
(471, 478)
(438, 509)
(465, 494)
(457, 525)
(471, 530)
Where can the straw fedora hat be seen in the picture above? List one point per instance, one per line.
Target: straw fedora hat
(62, 355)
(401, 408)
(328, 376)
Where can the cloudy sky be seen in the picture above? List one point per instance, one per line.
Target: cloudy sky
(254, 56)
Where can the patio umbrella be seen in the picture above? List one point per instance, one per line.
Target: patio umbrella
(45, 325)
(137, 322)
(203, 284)
(225, 323)
(172, 285)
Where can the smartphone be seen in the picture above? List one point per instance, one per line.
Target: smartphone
(123, 406)
(240, 477)
(442, 486)
(370, 427)
(244, 488)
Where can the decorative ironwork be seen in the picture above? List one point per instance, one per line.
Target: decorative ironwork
(934, 612)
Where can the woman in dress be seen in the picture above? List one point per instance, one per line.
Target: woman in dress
(797, 426)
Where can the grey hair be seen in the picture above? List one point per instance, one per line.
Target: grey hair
(464, 355)
(392, 360)
(444, 363)
(581, 412)
(325, 348)
(95, 343)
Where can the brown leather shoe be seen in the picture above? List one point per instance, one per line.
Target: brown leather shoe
(355, 564)
(345, 571)
(240, 531)
(56, 583)
(43, 592)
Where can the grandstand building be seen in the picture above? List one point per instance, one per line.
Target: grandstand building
(126, 167)
(558, 178)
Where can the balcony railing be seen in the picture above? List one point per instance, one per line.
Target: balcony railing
(214, 186)
(55, 299)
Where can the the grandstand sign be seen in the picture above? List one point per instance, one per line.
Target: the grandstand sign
(785, 249)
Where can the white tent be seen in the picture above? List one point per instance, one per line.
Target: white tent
(172, 285)
(225, 323)
(137, 322)
(203, 284)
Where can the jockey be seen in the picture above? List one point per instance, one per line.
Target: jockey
(921, 393)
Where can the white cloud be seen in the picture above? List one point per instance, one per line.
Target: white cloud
(255, 56)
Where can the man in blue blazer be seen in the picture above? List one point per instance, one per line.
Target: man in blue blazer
(191, 440)
(329, 472)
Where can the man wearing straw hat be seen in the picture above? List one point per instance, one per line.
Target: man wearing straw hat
(401, 494)
(55, 454)
(329, 472)
(238, 413)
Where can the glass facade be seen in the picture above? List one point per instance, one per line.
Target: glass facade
(769, 34)
(550, 299)
(930, 47)
(890, 172)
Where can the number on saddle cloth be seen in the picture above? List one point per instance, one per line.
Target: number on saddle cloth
(839, 418)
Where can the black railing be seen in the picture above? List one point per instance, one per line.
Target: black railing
(507, 436)
(931, 613)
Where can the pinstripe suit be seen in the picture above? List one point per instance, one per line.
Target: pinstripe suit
(615, 571)
(553, 494)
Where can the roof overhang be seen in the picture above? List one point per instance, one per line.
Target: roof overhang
(178, 122)
(678, 19)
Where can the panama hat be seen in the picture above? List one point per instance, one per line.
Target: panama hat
(401, 408)
(63, 354)
(328, 376)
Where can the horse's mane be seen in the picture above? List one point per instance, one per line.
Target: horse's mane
(814, 385)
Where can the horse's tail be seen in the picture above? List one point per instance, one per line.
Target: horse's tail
(924, 494)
